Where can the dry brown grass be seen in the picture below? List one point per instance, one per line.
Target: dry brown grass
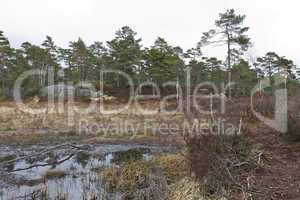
(174, 166)
(50, 175)
(136, 180)
(17, 126)
(186, 189)
(146, 179)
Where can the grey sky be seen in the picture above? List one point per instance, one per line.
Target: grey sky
(273, 23)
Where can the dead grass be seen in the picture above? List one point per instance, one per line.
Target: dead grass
(174, 166)
(186, 189)
(111, 178)
(16, 126)
(129, 177)
(138, 179)
(50, 175)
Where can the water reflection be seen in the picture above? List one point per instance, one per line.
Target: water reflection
(82, 180)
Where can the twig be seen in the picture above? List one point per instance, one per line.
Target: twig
(240, 126)
(259, 157)
(240, 164)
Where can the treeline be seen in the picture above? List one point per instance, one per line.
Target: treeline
(159, 63)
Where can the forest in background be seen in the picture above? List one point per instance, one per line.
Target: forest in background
(159, 63)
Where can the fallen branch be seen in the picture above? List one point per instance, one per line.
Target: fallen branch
(38, 154)
(44, 165)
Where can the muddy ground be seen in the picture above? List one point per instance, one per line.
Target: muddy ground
(51, 155)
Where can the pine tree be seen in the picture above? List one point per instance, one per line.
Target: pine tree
(125, 51)
(230, 32)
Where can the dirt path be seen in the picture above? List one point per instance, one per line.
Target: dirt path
(279, 179)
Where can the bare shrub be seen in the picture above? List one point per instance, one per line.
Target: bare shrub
(219, 161)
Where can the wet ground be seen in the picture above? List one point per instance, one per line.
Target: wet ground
(66, 171)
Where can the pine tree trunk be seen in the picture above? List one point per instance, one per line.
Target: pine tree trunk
(228, 60)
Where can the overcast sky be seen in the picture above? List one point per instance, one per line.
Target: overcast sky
(273, 23)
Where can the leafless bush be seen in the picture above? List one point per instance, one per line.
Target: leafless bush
(218, 161)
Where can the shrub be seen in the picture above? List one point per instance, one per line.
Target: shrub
(217, 162)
